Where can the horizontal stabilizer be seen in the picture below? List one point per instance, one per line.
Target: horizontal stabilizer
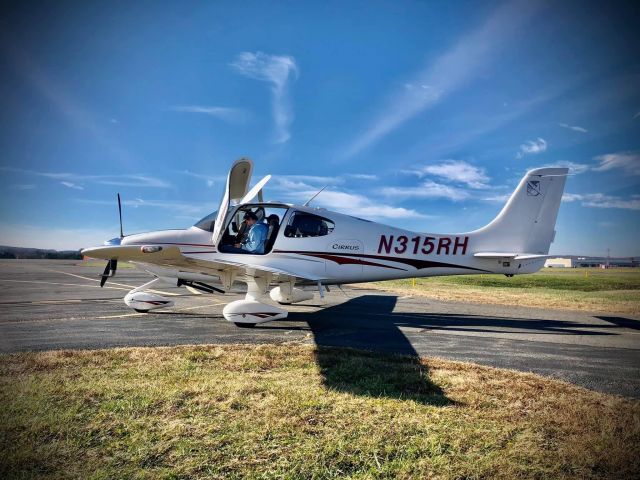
(512, 256)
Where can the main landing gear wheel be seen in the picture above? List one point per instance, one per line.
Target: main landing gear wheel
(244, 325)
(141, 311)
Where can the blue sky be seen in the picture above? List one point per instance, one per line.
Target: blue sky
(420, 115)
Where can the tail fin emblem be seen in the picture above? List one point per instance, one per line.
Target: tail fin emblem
(533, 188)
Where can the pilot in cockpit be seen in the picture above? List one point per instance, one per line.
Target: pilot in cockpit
(255, 239)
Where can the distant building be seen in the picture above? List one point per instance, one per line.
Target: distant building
(575, 261)
(559, 262)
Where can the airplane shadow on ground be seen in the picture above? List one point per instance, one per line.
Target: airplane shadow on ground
(401, 375)
(369, 324)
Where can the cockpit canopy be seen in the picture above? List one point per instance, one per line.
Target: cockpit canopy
(208, 222)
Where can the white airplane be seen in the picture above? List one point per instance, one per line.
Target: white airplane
(307, 246)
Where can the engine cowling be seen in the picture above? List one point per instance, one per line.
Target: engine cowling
(279, 294)
(145, 301)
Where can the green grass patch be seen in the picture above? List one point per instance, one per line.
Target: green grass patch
(582, 280)
(615, 290)
(297, 412)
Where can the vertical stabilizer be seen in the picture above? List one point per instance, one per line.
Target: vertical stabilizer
(526, 223)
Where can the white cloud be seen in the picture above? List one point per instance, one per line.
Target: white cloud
(428, 189)
(72, 185)
(450, 71)
(599, 200)
(210, 180)
(458, 171)
(180, 207)
(23, 186)
(275, 70)
(627, 161)
(574, 168)
(497, 198)
(354, 204)
(574, 128)
(572, 197)
(361, 176)
(532, 147)
(124, 180)
(227, 114)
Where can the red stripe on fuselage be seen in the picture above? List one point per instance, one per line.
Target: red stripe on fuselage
(414, 262)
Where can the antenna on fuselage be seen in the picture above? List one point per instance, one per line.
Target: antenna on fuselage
(306, 204)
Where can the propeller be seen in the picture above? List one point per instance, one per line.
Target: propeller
(112, 265)
(120, 215)
(109, 271)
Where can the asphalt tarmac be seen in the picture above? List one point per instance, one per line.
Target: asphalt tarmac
(56, 304)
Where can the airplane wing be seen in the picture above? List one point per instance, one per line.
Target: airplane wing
(512, 256)
(172, 257)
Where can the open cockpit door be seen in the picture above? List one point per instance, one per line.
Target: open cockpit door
(235, 189)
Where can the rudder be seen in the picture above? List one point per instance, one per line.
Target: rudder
(526, 223)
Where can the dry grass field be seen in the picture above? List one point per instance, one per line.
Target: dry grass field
(292, 411)
(615, 290)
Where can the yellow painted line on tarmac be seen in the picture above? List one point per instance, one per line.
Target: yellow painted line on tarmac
(122, 315)
(59, 283)
(202, 306)
(89, 278)
(114, 283)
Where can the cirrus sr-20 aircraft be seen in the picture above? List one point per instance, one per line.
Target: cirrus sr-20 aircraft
(307, 248)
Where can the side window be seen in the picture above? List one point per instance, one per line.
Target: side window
(308, 225)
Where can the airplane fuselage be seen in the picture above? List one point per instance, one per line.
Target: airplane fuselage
(355, 251)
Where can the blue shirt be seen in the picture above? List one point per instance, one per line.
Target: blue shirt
(256, 238)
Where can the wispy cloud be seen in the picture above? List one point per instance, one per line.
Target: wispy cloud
(210, 180)
(173, 206)
(23, 186)
(427, 189)
(276, 70)
(599, 200)
(532, 147)
(502, 198)
(227, 114)
(636, 115)
(125, 180)
(457, 171)
(361, 176)
(453, 69)
(627, 161)
(356, 204)
(286, 185)
(573, 127)
(300, 188)
(72, 185)
(574, 168)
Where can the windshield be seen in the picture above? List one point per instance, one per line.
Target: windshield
(207, 222)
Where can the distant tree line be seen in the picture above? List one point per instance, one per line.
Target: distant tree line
(38, 253)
